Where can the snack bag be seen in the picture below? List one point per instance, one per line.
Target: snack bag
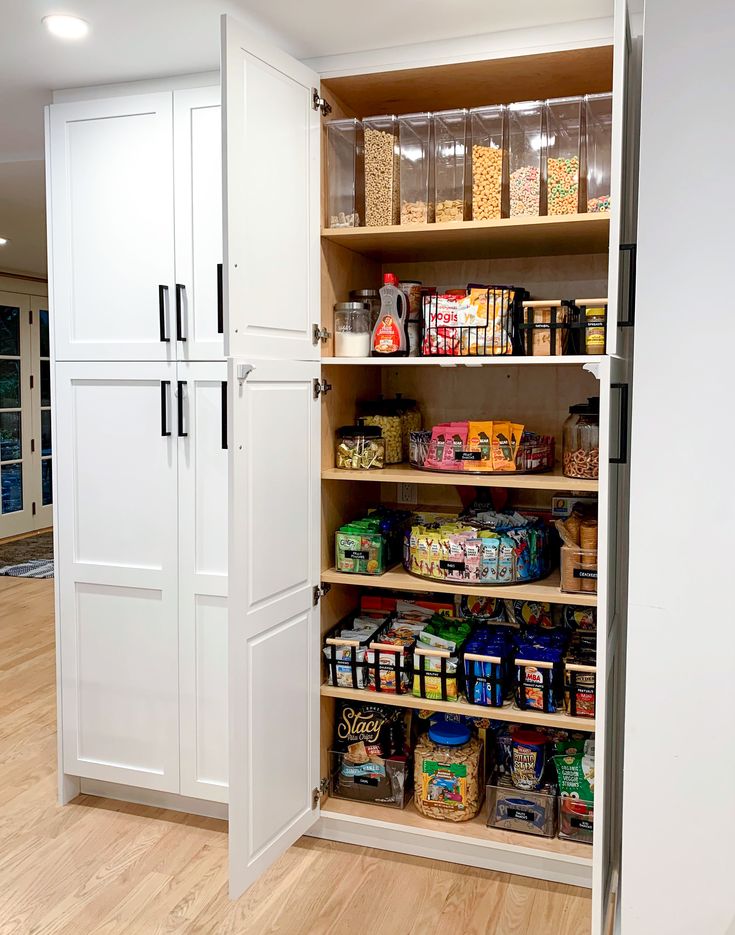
(478, 451)
(494, 317)
(503, 458)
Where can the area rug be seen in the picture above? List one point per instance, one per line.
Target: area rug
(38, 568)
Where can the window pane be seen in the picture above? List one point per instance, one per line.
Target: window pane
(45, 383)
(10, 384)
(10, 442)
(45, 432)
(11, 488)
(46, 494)
(43, 333)
(9, 331)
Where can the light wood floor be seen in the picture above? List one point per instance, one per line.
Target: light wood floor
(98, 866)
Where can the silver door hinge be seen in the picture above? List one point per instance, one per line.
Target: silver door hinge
(316, 794)
(319, 591)
(319, 103)
(320, 334)
(321, 388)
(243, 372)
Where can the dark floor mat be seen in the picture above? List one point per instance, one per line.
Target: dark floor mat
(27, 550)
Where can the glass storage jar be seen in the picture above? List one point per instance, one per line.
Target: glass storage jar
(344, 168)
(581, 440)
(525, 152)
(598, 120)
(448, 772)
(383, 414)
(563, 138)
(382, 204)
(450, 158)
(360, 448)
(488, 158)
(369, 297)
(351, 329)
(411, 421)
(414, 131)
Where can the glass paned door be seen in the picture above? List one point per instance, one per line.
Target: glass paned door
(16, 454)
(42, 438)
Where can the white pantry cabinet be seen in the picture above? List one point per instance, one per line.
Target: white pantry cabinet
(135, 212)
(288, 394)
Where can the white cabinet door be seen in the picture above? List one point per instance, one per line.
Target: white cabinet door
(116, 516)
(272, 140)
(273, 625)
(198, 197)
(203, 526)
(111, 227)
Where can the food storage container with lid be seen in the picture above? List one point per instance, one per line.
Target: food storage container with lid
(563, 137)
(369, 297)
(522, 810)
(382, 204)
(488, 163)
(581, 440)
(598, 121)
(450, 162)
(383, 415)
(352, 329)
(345, 173)
(414, 133)
(410, 416)
(544, 327)
(576, 819)
(373, 780)
(360, 447)
(526, 158)
(449, 771)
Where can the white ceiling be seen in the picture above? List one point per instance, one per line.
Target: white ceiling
(133, 39)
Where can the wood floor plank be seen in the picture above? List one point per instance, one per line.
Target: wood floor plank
(100, 867)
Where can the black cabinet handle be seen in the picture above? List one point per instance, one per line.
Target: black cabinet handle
(162, 307)
(180, 384)
(631, 249)
(224, 413)
(220, 302)
(622, 457)
(180, 291)
(164, 407)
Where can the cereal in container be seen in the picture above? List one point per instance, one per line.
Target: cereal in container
(525, 152)
(563, 134)
(450, 158)
(488, 159)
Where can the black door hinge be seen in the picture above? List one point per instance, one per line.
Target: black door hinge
(31, 380)
(319, 591)
(321, 388)
(33, 508)
(319, 103)
(33, 445)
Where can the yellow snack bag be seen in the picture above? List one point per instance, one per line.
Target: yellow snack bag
(479, 447)
(502, 447)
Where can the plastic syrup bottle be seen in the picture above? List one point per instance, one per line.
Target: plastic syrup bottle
(389, 334)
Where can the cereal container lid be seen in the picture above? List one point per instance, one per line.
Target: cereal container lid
(450, 733)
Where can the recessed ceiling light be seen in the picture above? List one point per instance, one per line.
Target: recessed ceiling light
(66, 27)
(3, 241)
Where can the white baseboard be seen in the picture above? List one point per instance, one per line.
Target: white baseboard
(177, 803)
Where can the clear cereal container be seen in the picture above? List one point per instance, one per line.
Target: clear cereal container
(525, 157)
(581, 440)
(344, 166)
(414, 134)
(450, 157)
(563, 137)
(381, 161)
(487, 126)
(598, 121)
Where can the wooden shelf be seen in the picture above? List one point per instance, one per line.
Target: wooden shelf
(408, 819)
(451, 240)
(405, 474)
(500, 361)
(508, 712)
(398, 579)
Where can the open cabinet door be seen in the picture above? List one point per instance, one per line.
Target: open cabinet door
(271, 171)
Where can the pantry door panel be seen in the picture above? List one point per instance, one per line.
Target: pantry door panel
(203, 523)
(198, 193)
(111, 227)
(272, 178)
(273, 625)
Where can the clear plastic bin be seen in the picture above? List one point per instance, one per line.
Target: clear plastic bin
(488, 162)
(520, 810)
(382, 202)
(526, 158)
(450, 158)
(376, 781)
(598, 119)
(578, 570)
(576, 820)
(414, 134)
(564, 137)
(344, 166)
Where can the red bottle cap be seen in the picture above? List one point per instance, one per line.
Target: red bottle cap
(390, 279)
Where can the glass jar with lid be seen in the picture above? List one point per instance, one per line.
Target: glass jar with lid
(581, 440)
(411, 421)
(369, 297)
(383, 414)
(360, 447)
(351, 329)
(448, 771)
